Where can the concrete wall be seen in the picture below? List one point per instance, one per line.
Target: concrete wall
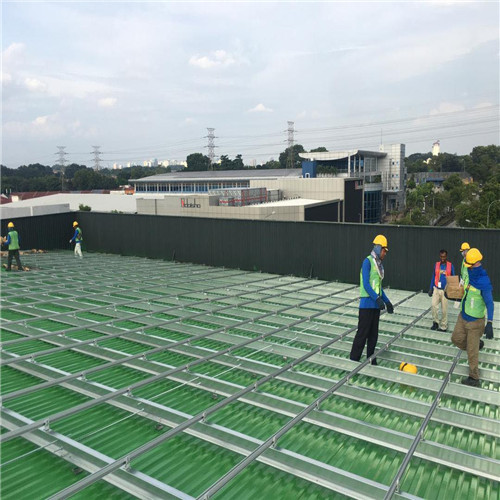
(322, 188)
(199, 206)
(8, 212)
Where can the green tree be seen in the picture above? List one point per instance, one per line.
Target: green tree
(296, 159)
(238, 163)
(415, 162)
(197, 162)
(321, 149)
(485, 163)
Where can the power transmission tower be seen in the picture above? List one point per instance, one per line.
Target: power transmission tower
(211, 147)
(97, 159)
(62, 162)
(290, 159)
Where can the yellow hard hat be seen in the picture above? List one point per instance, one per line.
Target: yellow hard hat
(10, 224)
(75, 223)
(465, 246)
(381, 240)
(407, 367)
(473, 256)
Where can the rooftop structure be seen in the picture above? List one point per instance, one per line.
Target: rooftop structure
(124, 376)
(193, 194)
(63, 202)
(383, 173)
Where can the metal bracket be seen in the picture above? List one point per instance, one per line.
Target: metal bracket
(46, 425)
(126, 465)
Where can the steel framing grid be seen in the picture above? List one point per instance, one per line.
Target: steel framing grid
(70, 326)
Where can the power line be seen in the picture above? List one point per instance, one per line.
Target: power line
(97, 159)
(289, 160)
(211, 146)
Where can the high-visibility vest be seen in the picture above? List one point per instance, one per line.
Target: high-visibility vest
(375, 279)
(79, 235)
(437, 271)
(474, 302)
(464, 274)
(14, 240)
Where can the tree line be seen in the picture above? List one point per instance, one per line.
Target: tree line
(468, 204)
(74, 177)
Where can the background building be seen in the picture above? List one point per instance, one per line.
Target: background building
(290, 195)
(383, 173)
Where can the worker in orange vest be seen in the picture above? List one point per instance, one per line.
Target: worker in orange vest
(442, 269)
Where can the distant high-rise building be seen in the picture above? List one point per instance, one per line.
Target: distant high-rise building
(435, 148)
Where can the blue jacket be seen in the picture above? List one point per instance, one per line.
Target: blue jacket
(75, 236)
(371, 301)
(479, 279)
(442, 276)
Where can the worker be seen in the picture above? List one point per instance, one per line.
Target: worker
(470, 326)
(12, 242)
(372, 300)
(442, 268)
(77, 238)
(464, 272)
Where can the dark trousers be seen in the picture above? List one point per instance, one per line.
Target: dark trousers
(367, 333)
(14, 253)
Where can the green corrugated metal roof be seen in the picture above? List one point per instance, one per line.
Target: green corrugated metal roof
(97, 331)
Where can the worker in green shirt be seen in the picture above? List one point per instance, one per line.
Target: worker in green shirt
(12, 243)
(476, 304)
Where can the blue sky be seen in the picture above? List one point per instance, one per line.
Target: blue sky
(145, 80)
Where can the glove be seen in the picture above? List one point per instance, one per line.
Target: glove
(430, 292)
(390, 308)
(380, 303)
(488, 331)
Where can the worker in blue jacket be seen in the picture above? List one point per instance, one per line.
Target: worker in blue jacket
(442, 268)
(372, 300)
(12, 242)
(470, 326)
(77, 238)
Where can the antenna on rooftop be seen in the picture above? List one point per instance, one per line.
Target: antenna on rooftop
(211, 146)
(97, 160)
(289, 160)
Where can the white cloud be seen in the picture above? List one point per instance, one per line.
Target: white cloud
(260, 108)
(218, 59)
(13, 53)
(189, 121)
(6, 78)
(40, 121)
(107, 102)
(46, 126)
(446, 107)
(35, 85)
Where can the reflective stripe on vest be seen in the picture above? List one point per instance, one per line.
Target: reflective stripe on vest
(375, 279)
(474, 302)
(437, 272)
(14, 240)
(79, 235)
(464, 274)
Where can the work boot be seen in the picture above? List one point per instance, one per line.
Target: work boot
(481, 344)
(374, 362)
(470, 381)
(434, 326)
(441, 329)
